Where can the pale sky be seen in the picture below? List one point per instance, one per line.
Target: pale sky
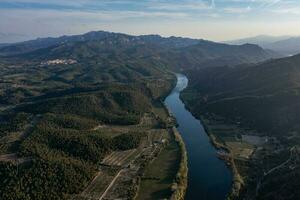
(216, 20)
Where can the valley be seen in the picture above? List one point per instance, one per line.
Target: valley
(96, 116)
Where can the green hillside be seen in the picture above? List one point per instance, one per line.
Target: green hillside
(255, 101)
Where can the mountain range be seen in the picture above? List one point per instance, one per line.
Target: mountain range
(105, 57)
(285, 45)
(177, 51)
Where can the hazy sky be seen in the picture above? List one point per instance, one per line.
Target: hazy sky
(210, 19)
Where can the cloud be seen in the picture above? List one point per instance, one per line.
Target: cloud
(237, 10)
(289, 11)
(57, 17)
(180, 6)
(268, 3)
(213, 4)
(97, 15)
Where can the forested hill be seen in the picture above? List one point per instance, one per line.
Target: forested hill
(271, 90)
(258, 101)
(177, 51)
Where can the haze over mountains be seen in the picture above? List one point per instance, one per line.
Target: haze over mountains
(285, 45)
(180, 50)
(105, 56)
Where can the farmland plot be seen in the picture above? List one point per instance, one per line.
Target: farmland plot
(118, 158)
(97, 186)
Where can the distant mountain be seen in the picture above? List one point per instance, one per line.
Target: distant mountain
(290, 46)
(177, 52)
(260, 40)
(210, 54)
(31, 45)
(6, 37)
(285, 45)
(4, 44)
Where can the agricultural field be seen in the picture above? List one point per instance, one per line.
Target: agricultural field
(254, 157)
(240, 142)
(121, 173)
(235, 146)
(97, 186)
(159, 174)
(98, 138)
(118, 158)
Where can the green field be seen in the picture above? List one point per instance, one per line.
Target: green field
(159, 175)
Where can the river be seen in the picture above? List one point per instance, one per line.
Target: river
(209, 178)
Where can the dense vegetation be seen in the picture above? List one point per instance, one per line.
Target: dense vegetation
(270, 89)
(117, 105)
(43, 179)
(64, 148)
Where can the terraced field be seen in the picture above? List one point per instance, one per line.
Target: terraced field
(119, 158)
(120, 171)
(97, 186)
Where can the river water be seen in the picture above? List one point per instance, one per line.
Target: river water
(209, 178)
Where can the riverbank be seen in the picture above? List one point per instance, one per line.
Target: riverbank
(180, 183)
(165, 177)
(237, 182)
(208, 176)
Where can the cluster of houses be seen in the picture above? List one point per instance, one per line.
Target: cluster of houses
(58, 62)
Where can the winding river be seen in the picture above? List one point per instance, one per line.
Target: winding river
(209, 178)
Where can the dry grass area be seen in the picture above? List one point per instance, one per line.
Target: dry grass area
(13, 158)
(148, 120)
(97, 186)
(156, 136)
(240, 149)
(119, 158)
(230, 136)
(11, 137)
(123, 185)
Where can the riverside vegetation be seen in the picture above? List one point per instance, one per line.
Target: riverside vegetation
(82, 116)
